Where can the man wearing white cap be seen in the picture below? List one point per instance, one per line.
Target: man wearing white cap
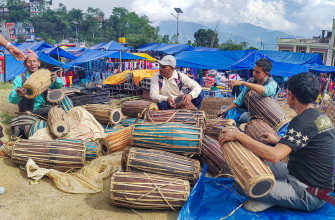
(167, 84)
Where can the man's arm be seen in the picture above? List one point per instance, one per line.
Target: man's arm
(271, 154)
(255, 87)
(13, 96)
(17, 53)
(191, 84)
(268, 90)
(154, 90)
(57, 82)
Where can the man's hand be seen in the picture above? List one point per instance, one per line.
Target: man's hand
(222, 113)
(53, 77)
(171, 102)
(232, 83)
(20, 91)
(16, 52)
(187, 99)
(269, 138)
(229, 133)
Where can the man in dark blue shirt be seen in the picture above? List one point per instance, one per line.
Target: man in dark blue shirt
(306, 180)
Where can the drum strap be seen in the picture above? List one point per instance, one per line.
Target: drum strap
(178, 82)
(322, 194)
(28, 104)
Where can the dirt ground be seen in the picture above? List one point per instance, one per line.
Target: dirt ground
(44, 201)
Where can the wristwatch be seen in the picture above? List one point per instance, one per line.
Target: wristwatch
(8, 45)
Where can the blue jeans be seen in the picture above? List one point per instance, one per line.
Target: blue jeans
(240, 115)
(288, 191)
(196, 102)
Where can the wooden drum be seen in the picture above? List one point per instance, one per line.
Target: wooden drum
(105, 114)
(58, 97)
(255, 128)
(58, 122)
(60, 155)
(196, 118)
(212, 155)
(37, 83)
(178, 102)
(250, 172)
(160, 162)
(267, 109)
(116, 141)
(135, 107)
(148, 191)
(174, 137)
(92, 149)
(215, 126)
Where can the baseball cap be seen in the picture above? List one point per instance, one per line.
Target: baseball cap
(168, 60)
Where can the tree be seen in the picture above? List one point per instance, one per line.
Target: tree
(17, 11)
(231, 45)
(21, 39)
(204, 38)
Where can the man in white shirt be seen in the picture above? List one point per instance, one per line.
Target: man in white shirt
(167, 84)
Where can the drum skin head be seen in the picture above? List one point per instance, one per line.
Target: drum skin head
(116, 116)
(60, 129)
(55, 96)
(178, 100)
(29, 92)
(261, 188)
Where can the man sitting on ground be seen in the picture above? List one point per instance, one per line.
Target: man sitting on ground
(37, 105)
(167, 85)
(305, 181)
(260, 83)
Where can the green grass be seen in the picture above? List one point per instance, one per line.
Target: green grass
(7, 86)
(5, 117)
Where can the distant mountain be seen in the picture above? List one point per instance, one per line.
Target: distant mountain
(252, 34)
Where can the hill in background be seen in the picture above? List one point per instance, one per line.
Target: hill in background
(252, 34)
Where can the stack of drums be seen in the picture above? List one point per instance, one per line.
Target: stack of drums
(135, 107)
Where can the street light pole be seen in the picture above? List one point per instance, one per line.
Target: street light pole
(178, 10)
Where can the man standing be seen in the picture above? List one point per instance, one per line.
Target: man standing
(167, 84)
(260, 83)
(305, 181)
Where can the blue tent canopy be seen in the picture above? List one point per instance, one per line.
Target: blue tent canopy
(15, 68)
(146, 45)
(205, 49)
(97, 46)
(75, 49)
(175, 48)
(91, 55)
(323, 69)
(113, 46)
(221, 60)
(59, 51)
(153, 47)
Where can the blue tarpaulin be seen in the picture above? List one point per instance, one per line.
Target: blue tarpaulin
(97, 46)
(174, 48)
(114, 46)
(59, 52)
(284, 63)
(153, 47)
(91, 55)
(75, 49)
(209, 199)
(323, 69)
(205, 49)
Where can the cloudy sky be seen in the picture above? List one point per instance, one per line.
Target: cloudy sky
(297, 17)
